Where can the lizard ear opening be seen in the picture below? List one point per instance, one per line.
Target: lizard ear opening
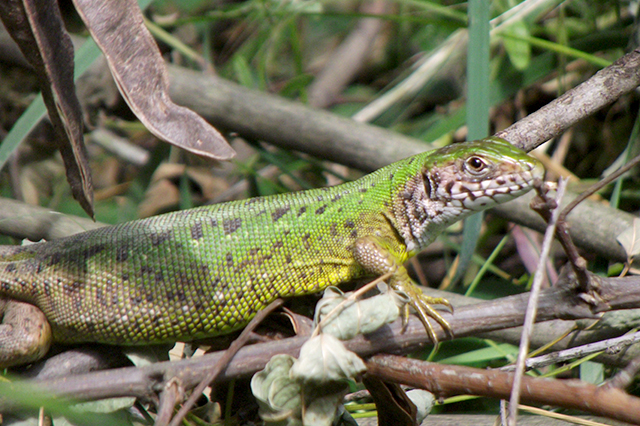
(427, 184)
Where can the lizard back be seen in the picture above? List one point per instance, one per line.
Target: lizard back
(196, 273)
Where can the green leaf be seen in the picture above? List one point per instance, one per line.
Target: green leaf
(518, 49)
(592, 372)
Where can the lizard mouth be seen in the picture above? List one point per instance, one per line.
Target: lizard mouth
(505, 187)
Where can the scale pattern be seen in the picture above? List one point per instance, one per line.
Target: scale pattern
(206, 271)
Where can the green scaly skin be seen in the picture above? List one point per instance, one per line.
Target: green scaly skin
(206, 271)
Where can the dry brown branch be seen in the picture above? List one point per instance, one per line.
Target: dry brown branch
(447, 380)
(608, 85)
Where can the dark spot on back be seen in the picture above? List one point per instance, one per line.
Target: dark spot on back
(159, 278)
(349, 224)
(92, 250)
(196, 231)
(279, 212)
(363, 189)
(11, 267)
(302, 210)
(214, 223)
(321, 210)
(100, 296)
(278, 244)
(54, 259)
(333, 229)
(122, 253)
(158, 238)
(336, 198)
(72, 288)
(229, 258)
(230, 226)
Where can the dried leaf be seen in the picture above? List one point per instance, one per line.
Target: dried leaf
(424, 402)
(118, 28)
(629, 239)
(309, 390)
(394, 407)
(360, 316)
(322, 403)
(37, 28)
(278, 396)
(323, 358)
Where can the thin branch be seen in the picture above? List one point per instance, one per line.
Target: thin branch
(532, 306)
(609, 345)
(624, 377)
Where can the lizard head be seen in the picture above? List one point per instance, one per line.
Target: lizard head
(460, 179)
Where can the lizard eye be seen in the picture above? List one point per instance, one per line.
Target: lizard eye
(475, 165)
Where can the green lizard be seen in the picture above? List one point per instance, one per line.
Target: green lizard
(206, 271)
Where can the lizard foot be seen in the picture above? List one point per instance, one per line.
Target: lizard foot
(422, 304)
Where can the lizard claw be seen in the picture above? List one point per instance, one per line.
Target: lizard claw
(422, 304)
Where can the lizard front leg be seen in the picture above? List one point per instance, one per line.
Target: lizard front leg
(25, 333)
(376, 257)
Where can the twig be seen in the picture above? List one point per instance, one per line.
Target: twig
(224, 360)
(172, 393)
(609, 345)
(599, 185)
(624, 377)
(532, 307)
(578, 263)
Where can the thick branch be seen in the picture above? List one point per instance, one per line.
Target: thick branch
(608, 85)
(445, 380)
